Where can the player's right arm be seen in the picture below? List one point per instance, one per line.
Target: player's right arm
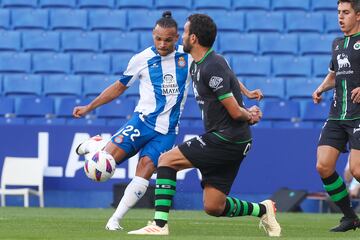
(109, 94)
(327, 84)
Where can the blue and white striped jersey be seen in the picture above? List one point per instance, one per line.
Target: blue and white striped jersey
(164, 83)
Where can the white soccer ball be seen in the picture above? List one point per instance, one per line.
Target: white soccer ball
(100, 167)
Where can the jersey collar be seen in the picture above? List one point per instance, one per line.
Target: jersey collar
(206, 54)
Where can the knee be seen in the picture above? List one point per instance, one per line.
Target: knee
(324, 170)
(164, 160)
(356, 174)
(213, 210)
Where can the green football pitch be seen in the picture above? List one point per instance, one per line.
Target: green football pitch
(65, 223)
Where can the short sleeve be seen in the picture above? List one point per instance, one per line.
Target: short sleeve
(218, 80)
(132, 71)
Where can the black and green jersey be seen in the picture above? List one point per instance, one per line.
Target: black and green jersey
(214, 81)
(345, 62)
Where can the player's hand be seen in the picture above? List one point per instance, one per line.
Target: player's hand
(256, 115)
(80, 111)
(316, 96)
(355, 95)
(255, 94)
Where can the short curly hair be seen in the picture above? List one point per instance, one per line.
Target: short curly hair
(204, 28)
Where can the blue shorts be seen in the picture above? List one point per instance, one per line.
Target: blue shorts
(135, 135)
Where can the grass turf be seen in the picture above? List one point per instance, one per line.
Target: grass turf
(61, 223)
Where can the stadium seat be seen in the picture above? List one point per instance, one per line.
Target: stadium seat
(29, 19)
(301, 87)
(133, 91)
(138, 4)
(304, 22)
(292, 125)
(180, 17)
(246, 5)
(278, 44)
(96, 4)
(12, 121)
(289, 5)
(173, 4)
(34, 107)
(321, 65)
(260, 21)
(238, 43)
(19, 3)
(271, 87)
(68, 19)
(191, 110)
(115, 42)
(86, 63)
(107, 20)
(10, 41)
(22, 84)
(62, 85)
(15, 62)
(6, 106)
(95, 84)
(119, 62)
(86, 122)
(74, 41)
(116, 122)
(316, 44)
(146, 40)
(280, 110)
(249, 66)
(65, 106)
(324, 5)
(45, 121)
(57, 3)
(263, 124)
(287, 66)
(316, 112)
(228, 21)
(4, 18)
(210, 4)
(51, 63)
(118, 108)
(143, 19)
(331, 23)
(41, 41)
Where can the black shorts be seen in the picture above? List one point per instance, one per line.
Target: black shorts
(217, 160)
(337, 133)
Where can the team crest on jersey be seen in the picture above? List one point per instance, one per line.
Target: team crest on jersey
(215, 82)
(357, 45)
(181, 62)
(343, 61)
(169, 85)
(119, 139)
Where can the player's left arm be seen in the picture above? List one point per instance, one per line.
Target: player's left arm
(355, 95)
(254, 94)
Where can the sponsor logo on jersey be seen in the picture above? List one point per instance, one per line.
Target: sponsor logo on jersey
(169, 86)
(343, 61)
(181, 62)
(215, 82)
(357, 45)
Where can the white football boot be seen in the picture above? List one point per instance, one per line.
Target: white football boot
(151, 229)
(268, 221)
(113, 225)
(83, 147)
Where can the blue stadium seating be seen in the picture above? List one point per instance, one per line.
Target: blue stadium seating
(246, 5)
(41, 41)
(271, 87)
(263, 124)
(116, 109)
(331, 23)
(22, 84)
(96, 4)
(316, 112)
(86, 63)
(12, 121)
(238, 43)
(6, 106)
(10, 41)
(143, 19)
(116, 122)
(210, 4)
(280, 110)
(57, 3)
(95, 84)
(86, 122)
(133, 91)
(173, 4)
(290, 124)
(107, 20)
(34, 107)
(68, 19)
(51, 63)
(191, 110)
(287, 66)
(249, 66)
(301, 87)
(146, 40)
(289, 5)
(64, 106)
(304, 22)
(324, 5)
(316, 44)
(29, 19)
(180, 17)
(321, 65)
(19, 3)
(260, 21)
(15, 62)
(278, 44)
(119, 62)
(4, 18)
(131, 4)
(62, 85)
(74, 41)
(45, 121)
(230, 21)
(115, 42)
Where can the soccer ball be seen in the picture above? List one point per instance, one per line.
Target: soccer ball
(100, 167)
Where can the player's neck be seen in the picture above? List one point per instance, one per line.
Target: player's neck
(352, 31)
(200, 53)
